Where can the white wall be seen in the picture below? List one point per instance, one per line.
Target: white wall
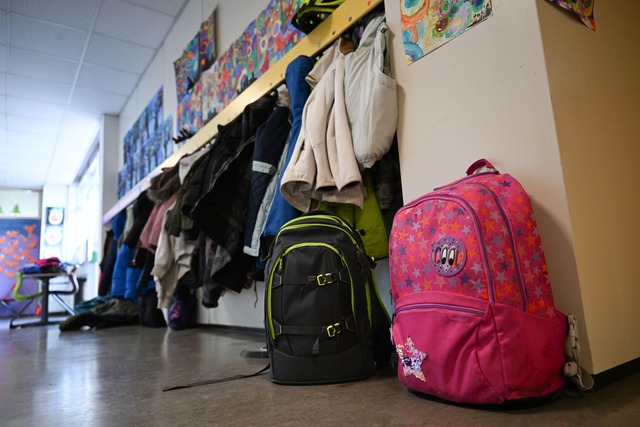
(28, 202)
(595, 92)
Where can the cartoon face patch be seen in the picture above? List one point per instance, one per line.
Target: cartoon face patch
(411, 359)
(448, 256)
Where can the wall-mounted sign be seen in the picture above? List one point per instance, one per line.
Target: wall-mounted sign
(53, 232)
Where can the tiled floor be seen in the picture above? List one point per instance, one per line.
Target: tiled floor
(115, 377)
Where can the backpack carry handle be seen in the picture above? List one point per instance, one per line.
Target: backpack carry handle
(478, 164)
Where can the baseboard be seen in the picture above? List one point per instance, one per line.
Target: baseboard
(610, 376)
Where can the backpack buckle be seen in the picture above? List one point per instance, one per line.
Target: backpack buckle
(325, 278)
(333, 330)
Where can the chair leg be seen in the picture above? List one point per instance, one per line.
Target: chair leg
(6, 304)
(64, 304)
(19, 314)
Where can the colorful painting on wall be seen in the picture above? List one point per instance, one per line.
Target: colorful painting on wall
(19, 245)
(139, 144)
(583, 9)
(207, 52)
(428, 24)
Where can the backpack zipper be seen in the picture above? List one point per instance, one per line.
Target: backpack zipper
(511, 240)
(439, 307)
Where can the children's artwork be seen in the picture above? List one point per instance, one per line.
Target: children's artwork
(20, 243)
(290, 35)
(191, 60)
(159, 148)
(154, 112)
(583, 9)
(207, 52)
(167, 136)
(226, 78)
(268, 26)
(428, 24)
(127, 145)
(180, 69)
(190, 109)
(183, 114)
(210, 99)
(245, 54)
(143, 130)
(122, 183)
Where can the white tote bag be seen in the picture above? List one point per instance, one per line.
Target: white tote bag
(370, 95)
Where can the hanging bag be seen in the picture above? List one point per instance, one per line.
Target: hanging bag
(371, 95)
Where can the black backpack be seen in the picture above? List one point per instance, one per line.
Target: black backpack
(323, 316)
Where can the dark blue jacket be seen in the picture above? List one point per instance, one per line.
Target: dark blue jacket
(281, 211)
(271, 139)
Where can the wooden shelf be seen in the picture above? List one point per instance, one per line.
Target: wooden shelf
(325, 34)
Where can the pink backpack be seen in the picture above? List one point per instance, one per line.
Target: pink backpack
(474, 318)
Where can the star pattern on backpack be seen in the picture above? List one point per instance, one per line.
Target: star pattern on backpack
(412, 359)
(506, 266)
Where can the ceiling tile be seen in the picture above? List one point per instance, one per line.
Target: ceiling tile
(3, 105)
(66, 161)
(3, 25)
(26, 151)
(3, 58)
(22, 168)
(72, 13)
(170, 7)
(118, 54)
(3, 4)
(62, 175)
(92, 99)
(41, 66)
(36, 109)
(83, 120)
(31, 125)
(107, 80)
(126, 21)
(3, 125)
(70, 152)
(32, 141)
(39, 36)
(3, 83)
(78, 135)
(29, 88)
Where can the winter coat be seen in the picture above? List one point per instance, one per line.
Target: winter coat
(119, 279)
(163, 193)
(221, 212)
(281, 210)
(323, 166)
(141, 210)
(271, 140)
(111, 254)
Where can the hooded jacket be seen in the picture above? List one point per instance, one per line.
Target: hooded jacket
(323, 166)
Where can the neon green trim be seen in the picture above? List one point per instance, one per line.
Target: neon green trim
(279, 260)
(296, 226)
(268, 302)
